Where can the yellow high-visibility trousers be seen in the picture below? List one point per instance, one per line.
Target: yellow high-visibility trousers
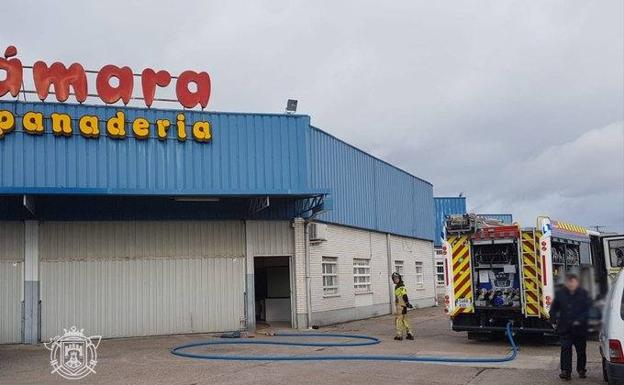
(401, 322)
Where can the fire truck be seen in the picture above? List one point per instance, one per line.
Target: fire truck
(497, 272)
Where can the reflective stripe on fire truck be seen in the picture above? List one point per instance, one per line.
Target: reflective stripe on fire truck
(547, 273)
(461, 267)
(531, 274)
(569, 227)
(449, 297)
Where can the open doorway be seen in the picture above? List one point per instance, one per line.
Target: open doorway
(272, 291)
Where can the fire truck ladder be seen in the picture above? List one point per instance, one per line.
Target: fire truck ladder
(531, 275)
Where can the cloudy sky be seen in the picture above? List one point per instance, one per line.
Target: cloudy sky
(517, 104)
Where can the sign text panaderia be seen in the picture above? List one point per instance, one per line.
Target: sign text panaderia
(90, 126)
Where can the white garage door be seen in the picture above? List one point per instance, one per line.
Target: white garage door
(11, 282)
(119, 279)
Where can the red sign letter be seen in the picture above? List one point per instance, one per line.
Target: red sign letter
(110, 94)
(62, 78)
(149, 80)
(14, 72)
(188, 98)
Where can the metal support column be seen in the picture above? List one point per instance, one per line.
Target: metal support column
(31, 282)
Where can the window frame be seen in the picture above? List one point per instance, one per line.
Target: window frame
(612, 246)
(440, 273)
(419, 276)
(399, 263)
(330, 290)
(362, 286)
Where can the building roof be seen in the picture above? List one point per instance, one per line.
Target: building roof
(248, 155)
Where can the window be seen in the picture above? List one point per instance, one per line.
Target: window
(330, 275)
(398, 267)
(616, 252)
(440, 272)
(361, 275)
(420, 276)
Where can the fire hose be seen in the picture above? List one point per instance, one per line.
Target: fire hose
(360, 340)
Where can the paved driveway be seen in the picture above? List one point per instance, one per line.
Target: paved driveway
(148, 361)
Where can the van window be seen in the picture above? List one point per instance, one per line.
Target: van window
(616, 252)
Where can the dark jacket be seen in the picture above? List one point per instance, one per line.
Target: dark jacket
(571, 311)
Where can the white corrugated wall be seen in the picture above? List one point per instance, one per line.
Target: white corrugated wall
(10, 302)
(119, 279)
(11, 281)
(270, 238)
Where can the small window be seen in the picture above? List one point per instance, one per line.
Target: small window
(616, 252)
(398, 267)
(361, 275)
(440, 272)
(420, 276)
(330, 275)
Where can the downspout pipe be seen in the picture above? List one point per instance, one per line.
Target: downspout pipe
(306, 249)
(390, 271)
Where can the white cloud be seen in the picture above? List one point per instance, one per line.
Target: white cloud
(462, 94)
(581, 180)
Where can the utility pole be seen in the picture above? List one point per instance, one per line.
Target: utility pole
(598, 227)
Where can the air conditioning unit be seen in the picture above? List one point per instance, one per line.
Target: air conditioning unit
(318, 232)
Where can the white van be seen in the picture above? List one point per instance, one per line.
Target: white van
(612, 334)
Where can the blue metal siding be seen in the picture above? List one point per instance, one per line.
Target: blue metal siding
(368, 192)
(505, 218)
(446, 206)
(424, 209)
(249, 154)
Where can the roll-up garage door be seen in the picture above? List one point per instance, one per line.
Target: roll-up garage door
(119, 279)
(11, 281)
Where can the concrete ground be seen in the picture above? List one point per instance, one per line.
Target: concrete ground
(148, 361)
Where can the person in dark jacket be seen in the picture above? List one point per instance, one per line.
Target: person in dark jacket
(570, 313)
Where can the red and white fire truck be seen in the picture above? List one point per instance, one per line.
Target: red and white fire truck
(497, 272)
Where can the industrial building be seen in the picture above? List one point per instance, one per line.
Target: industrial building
(113, 224)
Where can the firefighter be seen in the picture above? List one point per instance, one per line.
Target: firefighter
(401, 303)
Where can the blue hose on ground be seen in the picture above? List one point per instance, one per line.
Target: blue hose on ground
(361, 341)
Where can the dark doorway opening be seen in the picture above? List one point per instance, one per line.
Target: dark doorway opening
(272, 290)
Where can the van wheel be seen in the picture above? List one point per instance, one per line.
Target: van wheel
(605, 376)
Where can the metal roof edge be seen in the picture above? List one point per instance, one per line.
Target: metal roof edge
(151, 192)
(372, 156)
(448, 197)
(158, 109)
